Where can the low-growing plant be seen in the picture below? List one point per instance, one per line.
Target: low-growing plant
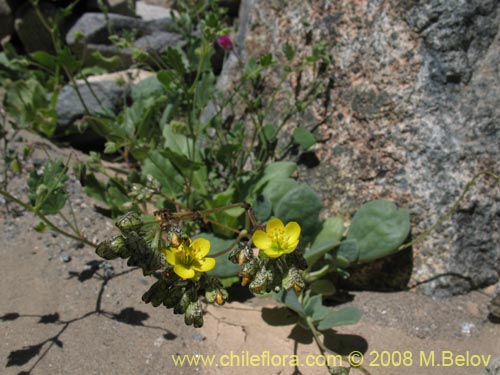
(209, 195)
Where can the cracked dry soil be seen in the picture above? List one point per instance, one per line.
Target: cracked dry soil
(65, 311)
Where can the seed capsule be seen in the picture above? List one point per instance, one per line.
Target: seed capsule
(156, 294)
(248, 271)
(194, 314)
(112, 249)
(241, 254)
(292, 279)
(131, 221)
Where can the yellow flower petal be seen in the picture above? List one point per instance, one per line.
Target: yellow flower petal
(273, 252)
(204, 265)
(170, 257)
(201, 247)
(183, 272)
(274, 224)
(292, 231)
(261, 240)
(291, 246)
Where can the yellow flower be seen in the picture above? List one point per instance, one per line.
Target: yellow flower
(277, 239)
(189, 258)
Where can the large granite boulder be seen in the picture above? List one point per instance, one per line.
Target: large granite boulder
(413, 114)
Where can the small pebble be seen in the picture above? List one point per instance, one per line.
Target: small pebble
(198, 337)
(65, 258)
(466, 328)
(108, 273)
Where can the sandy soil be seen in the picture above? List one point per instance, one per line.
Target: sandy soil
(64, 310)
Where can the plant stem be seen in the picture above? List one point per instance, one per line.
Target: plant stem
(45, 219)
(323, 349)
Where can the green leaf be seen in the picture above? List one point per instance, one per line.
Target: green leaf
(223, 267)
(275, 189)
(288, 51)
(168, 78)
(148, 88)
(349, 251)
(323, 287)
(315, 253)
(280, 169)
(262, 208)
(342, 317)
(45, 59)
(108, 63)
(315, 309)
(289, 298)
(41, 226)
(111, 147)
(15, 165)
(173, 58)
(182, 162)
(46, 191)
(379, 227)
(266, 60)
(302, 205)
(269, 131)
(303, 138)
(27, 102)
(66, 59)
(203, 91)
(252, 69)
(94, 188)
(331, 228)
(227, 217)
(159, 167)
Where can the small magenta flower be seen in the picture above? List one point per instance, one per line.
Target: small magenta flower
(225, 42)
(189, 259)
(278, 239)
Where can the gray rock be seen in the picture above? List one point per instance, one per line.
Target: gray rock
(158, 42)
(455, 33)
(91, 34)
(93, 28)
(105, 87)
(123, 7)
(161, 3)
(6, 19)
(414, 91)
(152, 12)
(108, 97)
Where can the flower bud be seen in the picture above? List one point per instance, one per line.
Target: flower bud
(248, 271)
(225, 42)
(112, 249)
(156, 294)
(131, 221)
(292, 279)
(263, 281)
(194, 314)
(175, 236)
(241, 254)
(173, 297)
(221, 297)
(185, 300)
